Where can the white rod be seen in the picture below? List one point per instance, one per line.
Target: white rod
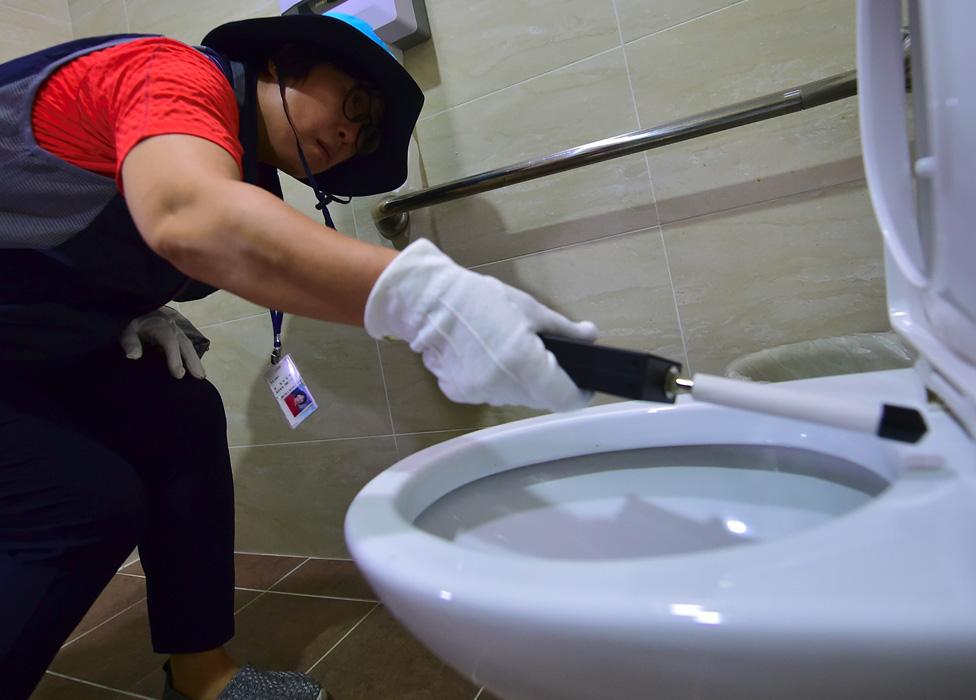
(863, 416)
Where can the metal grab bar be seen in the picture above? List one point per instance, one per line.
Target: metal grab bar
(391, 213)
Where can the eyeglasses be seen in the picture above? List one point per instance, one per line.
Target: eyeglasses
(358, 106)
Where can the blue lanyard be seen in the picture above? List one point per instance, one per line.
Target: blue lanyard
(276, 318)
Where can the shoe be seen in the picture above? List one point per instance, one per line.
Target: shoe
(253, 684)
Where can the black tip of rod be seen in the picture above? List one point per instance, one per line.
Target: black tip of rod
(902, 424)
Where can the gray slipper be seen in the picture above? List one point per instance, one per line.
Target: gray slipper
(252, 684)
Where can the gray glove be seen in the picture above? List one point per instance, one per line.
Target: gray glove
(182, 344)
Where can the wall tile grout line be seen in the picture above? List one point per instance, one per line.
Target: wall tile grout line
(389, 406)
(96, 685)
(650, 184)
(309, 442)
(382, 435)
(677, 309)
(434, 432)
(125, 14)
(517, 83)
(579, 60)
(342, 639)
(83, 15)
(231, 320)
(39, 14)
(684, 22)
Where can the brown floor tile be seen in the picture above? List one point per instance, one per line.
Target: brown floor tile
(118, 654)
(274, 630)
(262, 571)
(152, 683)
(290, 632)
(54, 688)
(380, 659)
(328, 577)
(120, 593)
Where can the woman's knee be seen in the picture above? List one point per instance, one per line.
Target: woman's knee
(195, 406)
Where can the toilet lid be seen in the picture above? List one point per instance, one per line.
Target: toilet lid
(923, 194)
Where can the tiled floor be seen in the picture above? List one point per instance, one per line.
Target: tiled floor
(313, 615)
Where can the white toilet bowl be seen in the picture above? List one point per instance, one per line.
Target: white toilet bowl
(690, 551)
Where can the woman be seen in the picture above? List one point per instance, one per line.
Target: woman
(140, 170)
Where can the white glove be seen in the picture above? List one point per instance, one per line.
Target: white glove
(475, 333)
(157, 328)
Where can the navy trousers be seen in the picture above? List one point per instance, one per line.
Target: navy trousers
(97, 455)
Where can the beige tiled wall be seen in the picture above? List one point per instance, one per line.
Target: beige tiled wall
(29, 25)
(700, 251)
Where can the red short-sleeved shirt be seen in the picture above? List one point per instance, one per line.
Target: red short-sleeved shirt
(96, 108)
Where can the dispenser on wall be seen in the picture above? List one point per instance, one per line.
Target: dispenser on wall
(401, 23)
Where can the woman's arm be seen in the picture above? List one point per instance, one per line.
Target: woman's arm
(189, 204)
(477, 335)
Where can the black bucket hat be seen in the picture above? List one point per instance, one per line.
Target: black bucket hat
(254, 41)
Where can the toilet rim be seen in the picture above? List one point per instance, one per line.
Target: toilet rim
(380, 523)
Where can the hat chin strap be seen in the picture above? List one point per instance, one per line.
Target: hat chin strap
(324, 199)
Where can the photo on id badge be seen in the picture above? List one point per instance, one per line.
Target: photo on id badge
(298, 400)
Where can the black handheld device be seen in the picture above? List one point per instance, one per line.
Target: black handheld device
(646, 377)
(626, 373)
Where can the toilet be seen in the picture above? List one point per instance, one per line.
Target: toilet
(640, 550)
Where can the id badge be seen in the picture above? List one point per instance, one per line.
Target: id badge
(293, 397)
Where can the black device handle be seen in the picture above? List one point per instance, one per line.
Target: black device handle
(626, 373)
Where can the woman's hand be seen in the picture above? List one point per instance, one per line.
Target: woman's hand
(477, 335)
(157, 328)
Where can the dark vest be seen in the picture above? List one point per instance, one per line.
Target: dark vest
(74, 269)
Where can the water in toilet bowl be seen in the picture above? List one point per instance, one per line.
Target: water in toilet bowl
(651, 502)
